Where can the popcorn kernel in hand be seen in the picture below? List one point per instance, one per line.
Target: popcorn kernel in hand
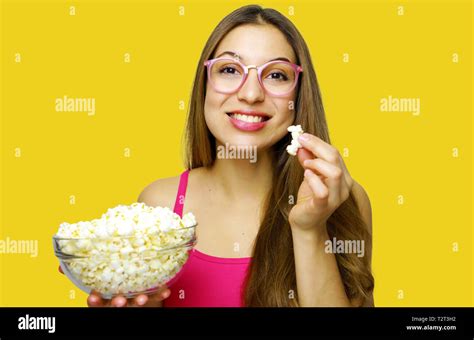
(296, 131)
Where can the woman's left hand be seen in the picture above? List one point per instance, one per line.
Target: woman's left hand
(326, 185)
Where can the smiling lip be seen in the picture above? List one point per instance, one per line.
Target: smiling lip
(247, 120)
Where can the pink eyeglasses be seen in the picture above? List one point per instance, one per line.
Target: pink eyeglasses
(227, 75)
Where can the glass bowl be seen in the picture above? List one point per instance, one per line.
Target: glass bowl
(124, 265)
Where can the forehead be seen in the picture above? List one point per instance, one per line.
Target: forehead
(256, 44)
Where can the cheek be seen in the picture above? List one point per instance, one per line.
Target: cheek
(211, 104)
(213, 114)
(286, 109)
(285, 116)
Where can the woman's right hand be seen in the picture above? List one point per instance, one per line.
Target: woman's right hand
(142, 300)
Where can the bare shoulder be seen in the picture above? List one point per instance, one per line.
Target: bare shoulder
(363, 202)
(161, 192)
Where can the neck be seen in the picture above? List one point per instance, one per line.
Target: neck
(242, 179)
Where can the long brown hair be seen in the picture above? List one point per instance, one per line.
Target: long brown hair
(271, 279)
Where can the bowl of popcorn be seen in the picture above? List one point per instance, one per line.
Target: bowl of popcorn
(130, 250)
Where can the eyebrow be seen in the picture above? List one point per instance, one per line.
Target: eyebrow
(234, 54)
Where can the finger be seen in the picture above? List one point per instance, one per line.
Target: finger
(332, 173)
(319, 189)
(165, 294)
(94, 300)
(303, 155)
(119, 301)
(162, 291)
(334, 177)
(152, 300)
(140, 300)
(319, 148)
(327, 169)
(157, 298)
(332, 156)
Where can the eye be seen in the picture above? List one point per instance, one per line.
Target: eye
(276, 75)
(229, 69)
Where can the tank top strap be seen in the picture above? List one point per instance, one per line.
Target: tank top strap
(183, 184)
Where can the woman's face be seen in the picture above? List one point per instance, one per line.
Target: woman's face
(255, 45)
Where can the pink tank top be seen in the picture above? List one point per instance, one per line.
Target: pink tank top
(205, 280)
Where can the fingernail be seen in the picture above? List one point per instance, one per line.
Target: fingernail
(141, 300)
(306, 162)
(119, 303)
(164, 295)
(306, 172)
(304, 137)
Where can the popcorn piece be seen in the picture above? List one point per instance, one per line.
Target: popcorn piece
(129, 249)
(189, 220)
(296, 131)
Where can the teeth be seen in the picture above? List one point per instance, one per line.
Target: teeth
(247, 118)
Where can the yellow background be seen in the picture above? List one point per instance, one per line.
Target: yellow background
(138, 107)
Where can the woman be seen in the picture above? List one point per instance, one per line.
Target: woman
(263, 225)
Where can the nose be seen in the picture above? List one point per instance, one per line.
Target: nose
(251, 91)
